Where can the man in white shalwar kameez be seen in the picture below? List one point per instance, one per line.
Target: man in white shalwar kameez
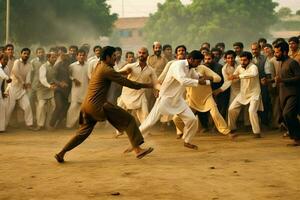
(3, 77)
(180, 52)
(135, 100)
(20, 75)
(80, 80)
(250, 93)
(93, 61)
(171, 101)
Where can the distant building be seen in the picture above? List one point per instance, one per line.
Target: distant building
(129, 31)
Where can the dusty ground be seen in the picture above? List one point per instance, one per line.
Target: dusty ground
(221, 169)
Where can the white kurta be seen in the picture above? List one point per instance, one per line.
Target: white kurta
(136, 100)
(20, 75)
(3, 110)
(250, 84)
(234, 85)
(133, 99)
(249, 94)
(79, 72)
(92, 62)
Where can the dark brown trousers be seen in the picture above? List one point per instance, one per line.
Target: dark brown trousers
(118, 117)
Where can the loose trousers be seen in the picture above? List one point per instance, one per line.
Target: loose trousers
(24, 103)
(44, 111)
(73, 114)
(234, 110)
(118, 117)
(187, 116)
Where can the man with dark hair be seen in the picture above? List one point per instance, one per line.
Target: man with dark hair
(36, 63)
(248, 75)
(205, 45)
(92, 61)
(171, 100)
(261, 42)
(288, 80)
(80, 81)
(180, 52)
(9, 51)
(129, 57)
(116, 89)
(217, 68)
(238, 49)
(221, 46)
(96, 108)
(232, 88)
(294, 51)
(45, 92)
(62, 90)
(3, 77)
(201, 100)
(167, 52)
(73, 52)
(259, 60)
(218, 55)
(20, 76)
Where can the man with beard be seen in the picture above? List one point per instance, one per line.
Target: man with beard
(36, 64)
(20, 75)
(249, 94)
(3, 77)
(45, 92)
(72, 53)
(135, 100)
(259, 60)
(63, 88)
(9, 51)
(96, 107)
(80, 81)
(288, 80)
(238, 49)
(171, 100)
(157, 61)
(180, 52)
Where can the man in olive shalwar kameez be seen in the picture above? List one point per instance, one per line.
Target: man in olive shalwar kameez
(96, 108)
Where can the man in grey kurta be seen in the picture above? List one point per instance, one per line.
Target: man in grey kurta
(288, 79)
(95, 107)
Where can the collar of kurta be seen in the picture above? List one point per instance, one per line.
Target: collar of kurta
(23, 61)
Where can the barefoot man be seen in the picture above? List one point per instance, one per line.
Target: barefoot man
(96, 108)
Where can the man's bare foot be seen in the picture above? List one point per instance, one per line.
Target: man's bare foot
(191, 146)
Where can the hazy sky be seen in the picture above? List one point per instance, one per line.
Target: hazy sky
(137, 8)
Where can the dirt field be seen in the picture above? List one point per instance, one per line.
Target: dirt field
(246, 168)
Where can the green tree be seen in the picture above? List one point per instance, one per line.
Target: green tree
(213, 21)
(298, 12)
(167, 24)
(284, 12)
(56, 21)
